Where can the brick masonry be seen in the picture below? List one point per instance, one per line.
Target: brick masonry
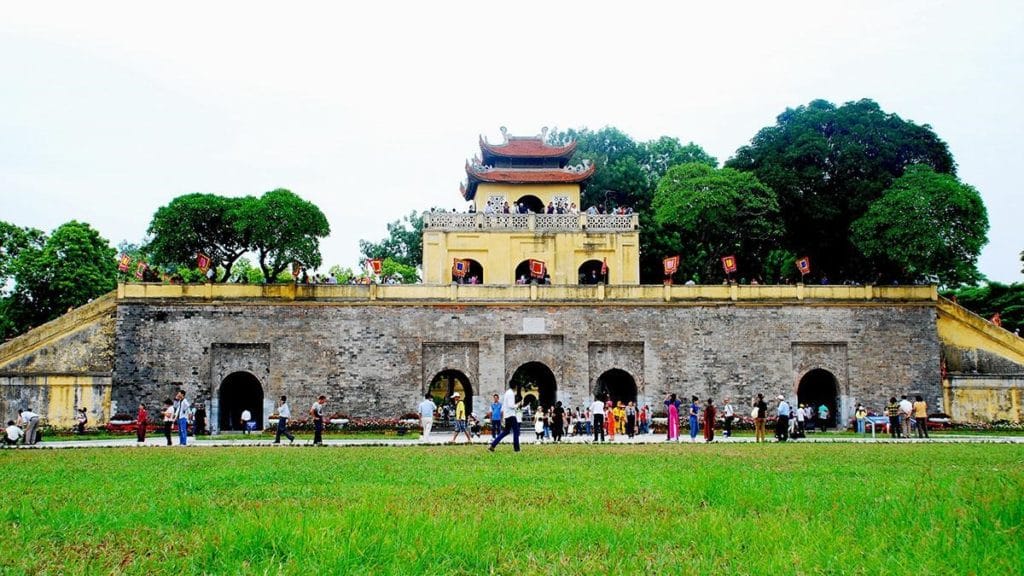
(378, 359)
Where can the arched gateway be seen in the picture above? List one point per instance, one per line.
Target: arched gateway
(448, 382)
(239, 391)
(618, 385)
(535, 382)
(819, 387)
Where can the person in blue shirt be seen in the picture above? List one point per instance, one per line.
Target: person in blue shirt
(495, 416)
(694, 411)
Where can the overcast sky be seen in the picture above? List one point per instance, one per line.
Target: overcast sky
(109, 111)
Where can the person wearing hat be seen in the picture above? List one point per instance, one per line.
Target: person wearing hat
(460, 418)
(782, 424)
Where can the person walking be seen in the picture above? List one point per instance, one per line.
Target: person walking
(140, 423)
(495, 416)
(182, 413)
(168, 416)
(672, 409)
(461, 422)
(760, 413)
(694, 414)
(823, 415)
(782, 423)
(30, 420)
(284, 412)
(316, 411)
(709, 421)
(558, 422)
(509, 408)
(597, 413)
(426, 410)
(730, 415)
(799, 419)
(921, 416)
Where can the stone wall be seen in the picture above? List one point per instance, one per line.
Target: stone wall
(378, 358)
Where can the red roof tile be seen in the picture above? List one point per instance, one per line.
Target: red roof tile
(525, 147)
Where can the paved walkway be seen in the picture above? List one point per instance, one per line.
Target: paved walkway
(526, 440)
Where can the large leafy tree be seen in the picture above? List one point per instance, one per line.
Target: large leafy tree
(627, 175)
(13, 241)
(717, 212)
(926, 224)
(196, 223)
(404, 243)
(282, 228)
(70, 267)
(828, 164)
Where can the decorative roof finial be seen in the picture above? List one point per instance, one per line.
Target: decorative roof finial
(504, 134)
(544, 134)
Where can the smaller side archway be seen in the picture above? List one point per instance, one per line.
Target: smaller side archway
(448, 382)
(239, 391)
(618, 385)
(474, 273)
(522, 274)
(819, 387)
(590, 272)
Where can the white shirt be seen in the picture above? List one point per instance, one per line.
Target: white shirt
(783, 408)
(508, 404)
(728, 410)
(906, 407)
(28, 415)
(246, 416)
(183, 409)
(284, 411)
(13, 433)
(427, 408)
(597, 407)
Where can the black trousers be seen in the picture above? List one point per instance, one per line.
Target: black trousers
(318, 431)
(630, 425)
(894, 426)
(782, 428)
(728, 425)
(598, 426)
(167, 432)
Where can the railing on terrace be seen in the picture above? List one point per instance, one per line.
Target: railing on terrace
(632, 294)
(456, 221)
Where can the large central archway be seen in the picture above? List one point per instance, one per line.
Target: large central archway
(819, 387)
(239, 391)
(618, 385)
(535, 382)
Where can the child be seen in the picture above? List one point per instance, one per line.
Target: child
(538, 425)
(81, 420)
(474, 425)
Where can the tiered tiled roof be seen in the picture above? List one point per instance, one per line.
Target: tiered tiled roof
(520, 149)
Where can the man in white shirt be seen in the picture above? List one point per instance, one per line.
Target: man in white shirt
(12, 434)
(283, 414)
(906, 409)
(246, 418)
(782, 423)
(730, 415)
(427, 408)
(30, 420)
(509, 404)
(597, 412)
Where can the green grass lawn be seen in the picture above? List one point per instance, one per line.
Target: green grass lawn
(660, 509)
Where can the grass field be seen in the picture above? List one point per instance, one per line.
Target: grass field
(690, 509)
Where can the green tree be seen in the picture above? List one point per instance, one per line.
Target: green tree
(74, 265)
(282, 228)
(828, 164)
(391, 268)
(717, 212)
(404, 243)
(198, 223)
(627, 174)
(926, 224)
(14, 240)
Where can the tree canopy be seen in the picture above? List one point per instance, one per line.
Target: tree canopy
(51, 274)
(403, 245)
(279, 227)
(925, 224)
(717, 212)
(828, 164)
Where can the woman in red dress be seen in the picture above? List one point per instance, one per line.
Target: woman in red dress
(140, 423)
(709, 421)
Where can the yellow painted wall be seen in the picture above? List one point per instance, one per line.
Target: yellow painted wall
(961, 328)
(500, 252)
(513, 192)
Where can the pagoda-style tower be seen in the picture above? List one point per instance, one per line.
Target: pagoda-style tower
(526, 206)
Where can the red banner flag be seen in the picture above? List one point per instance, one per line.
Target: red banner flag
(729, 264)
(124, 263)
(537, 268)
(604, 267)
(804, 265)
(459, 268)
(376, 265)
(140, 270)
(671, 265)
(203, 262)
